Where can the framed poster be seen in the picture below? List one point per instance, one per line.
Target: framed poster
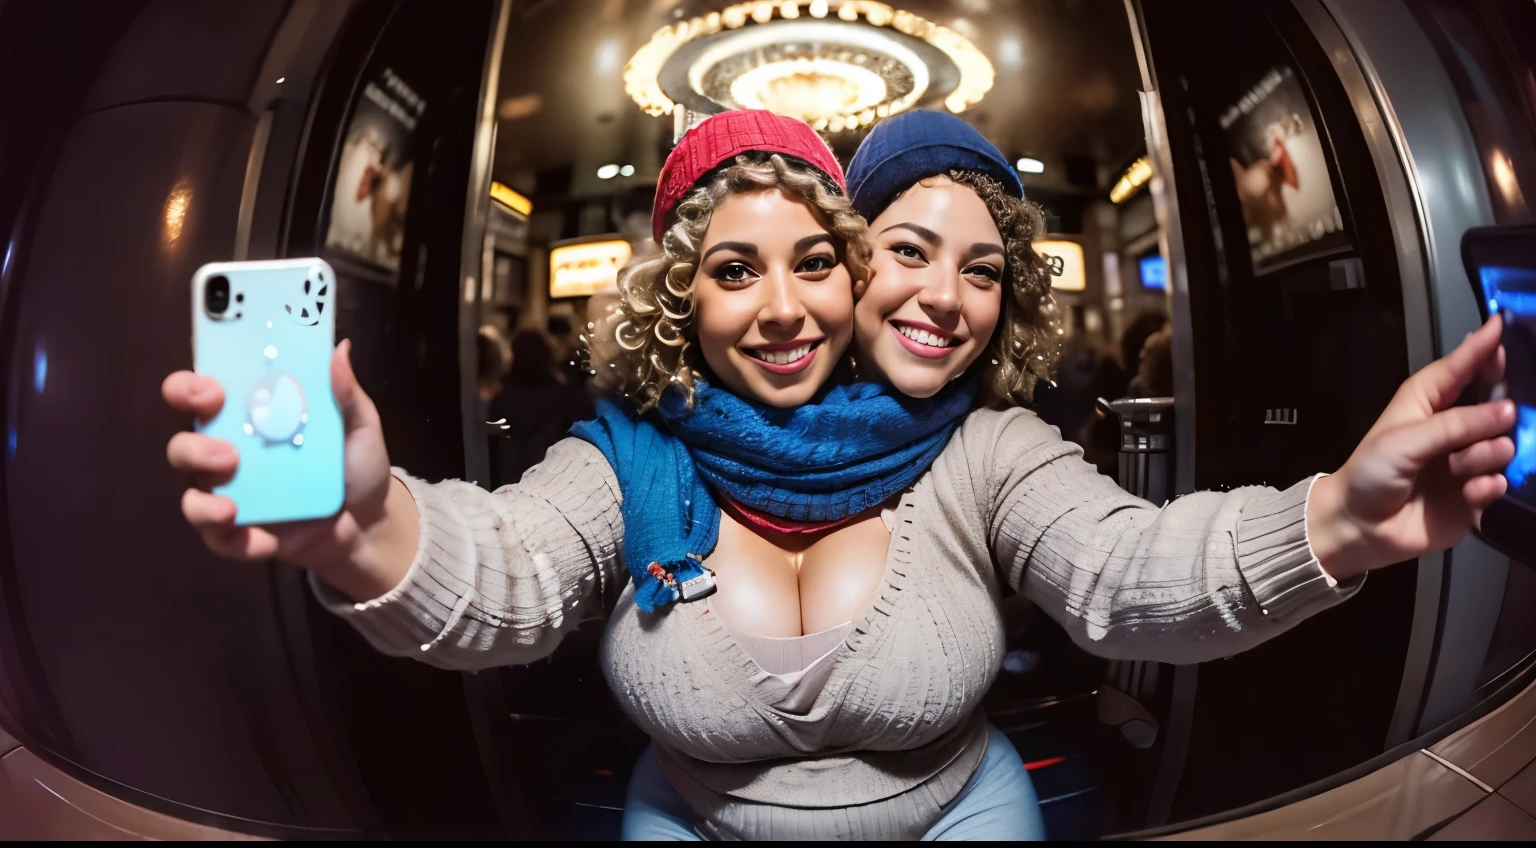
(1281, 172)
(372, 191)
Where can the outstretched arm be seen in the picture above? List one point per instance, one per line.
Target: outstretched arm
(449, 574)
(1213, 574)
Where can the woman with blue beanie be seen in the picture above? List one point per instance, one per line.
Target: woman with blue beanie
(934, 191)
(807, 574)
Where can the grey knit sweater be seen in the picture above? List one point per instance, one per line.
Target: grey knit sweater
(896, 731)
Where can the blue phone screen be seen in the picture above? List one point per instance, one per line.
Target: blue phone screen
(1511, 292)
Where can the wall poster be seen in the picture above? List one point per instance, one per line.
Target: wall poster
(1281, 172)
(373, 177)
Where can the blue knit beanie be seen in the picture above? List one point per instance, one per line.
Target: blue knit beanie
(905, 148)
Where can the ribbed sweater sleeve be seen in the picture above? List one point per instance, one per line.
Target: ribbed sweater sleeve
(499, 576)
(1206, 576)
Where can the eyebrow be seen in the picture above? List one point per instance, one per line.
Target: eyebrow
(739, 246)
(808, 242)
(984, 248)
(919, 229)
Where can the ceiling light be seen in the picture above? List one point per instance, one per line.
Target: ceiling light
(1131, 181)
(520, 106)
(1010, 51)
(607, 55)
(1030, 166)
(607, 172)
(627, 171)
(280, 80)
(512, 199)
(844, 73)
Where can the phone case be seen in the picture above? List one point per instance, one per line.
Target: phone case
(271, 351)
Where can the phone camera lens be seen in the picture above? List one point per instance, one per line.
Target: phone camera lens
(216, 295)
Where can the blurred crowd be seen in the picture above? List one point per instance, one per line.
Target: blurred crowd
(1140, 365)
(532, 389)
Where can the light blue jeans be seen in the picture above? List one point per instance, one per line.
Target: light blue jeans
(997, 804)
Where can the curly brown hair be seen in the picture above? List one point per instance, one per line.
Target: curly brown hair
(647, 344)
(1027, 343)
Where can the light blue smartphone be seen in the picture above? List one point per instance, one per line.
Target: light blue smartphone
(265, 330)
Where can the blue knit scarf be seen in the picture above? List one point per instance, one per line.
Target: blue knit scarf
(824, 461)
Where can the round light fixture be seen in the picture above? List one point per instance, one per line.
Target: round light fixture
(627, 171)
(1030, 166)
(796, 58)
(607, 172)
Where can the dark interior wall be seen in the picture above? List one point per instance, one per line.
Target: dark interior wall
(129, 655)
(150, 663)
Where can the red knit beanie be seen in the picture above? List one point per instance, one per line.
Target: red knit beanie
(719, 139)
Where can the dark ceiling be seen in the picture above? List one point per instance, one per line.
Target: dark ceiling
(1065, 93)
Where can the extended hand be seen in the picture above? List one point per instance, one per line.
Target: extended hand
(1421, 477)
(342, 549)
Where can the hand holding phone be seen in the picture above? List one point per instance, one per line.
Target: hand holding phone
(363, 541)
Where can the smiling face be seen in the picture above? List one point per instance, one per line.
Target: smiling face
(774, 300)
(935, 294)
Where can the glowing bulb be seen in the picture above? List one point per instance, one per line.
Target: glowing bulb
(1504, 176)
(818, 8)
(176, 204)
(1030, 166)
(627, 171)
(607, 172)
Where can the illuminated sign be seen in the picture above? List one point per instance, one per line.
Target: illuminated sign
(506, 196)
(1065, 259)
(578, 270)
(1131, 181)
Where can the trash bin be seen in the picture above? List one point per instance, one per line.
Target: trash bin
(1146, 446)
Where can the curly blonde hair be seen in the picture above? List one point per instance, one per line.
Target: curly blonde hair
(647, 344)
(1027, 343)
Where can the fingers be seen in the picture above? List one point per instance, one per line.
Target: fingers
(193, 394)
(357, 409)
(207, 511)
(1486, 457)
(212, 459)
(1479, 492)
(213, 516)
(1493, 370)
(1453, 430)
(242, 543)
(1441, 381)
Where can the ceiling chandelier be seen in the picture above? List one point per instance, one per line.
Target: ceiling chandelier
(838, 65)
